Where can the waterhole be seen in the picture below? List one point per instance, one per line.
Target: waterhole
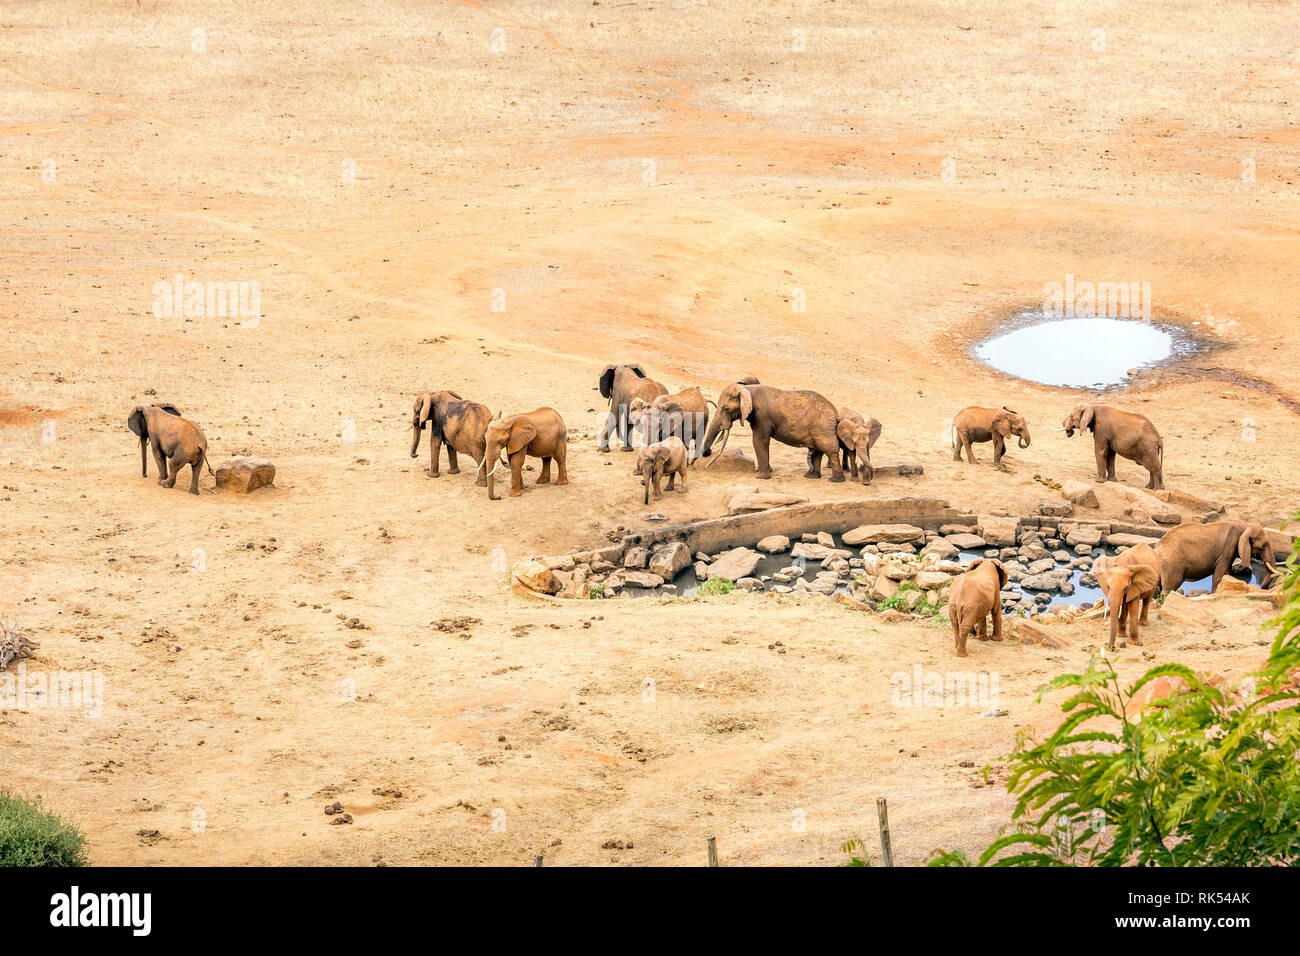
(1090, 352)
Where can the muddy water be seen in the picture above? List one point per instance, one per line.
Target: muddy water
(1081, 352)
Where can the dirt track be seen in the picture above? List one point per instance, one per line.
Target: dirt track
(522, 177)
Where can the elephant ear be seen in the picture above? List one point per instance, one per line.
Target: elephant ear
(1002, 424)
(425, 409)
(1244, 550)
(1086, 415)
(607, 381)
(522, 433)
(746, 403)
(1102, 571)
(845, 432)
(1144, 578)
(749, 380)
(670, 408)
(169, 408)
(873, 433)
(640, 372)
(137, 423)
(1002, 573)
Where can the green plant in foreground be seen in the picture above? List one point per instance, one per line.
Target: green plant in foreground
(598, 590)
(1205, 777)
(716, 586)
(856, 851)
(33, 836)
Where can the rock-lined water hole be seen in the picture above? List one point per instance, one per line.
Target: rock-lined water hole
(1051, 572)
(1092, 352)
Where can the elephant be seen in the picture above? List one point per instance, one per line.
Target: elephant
(975, 595)
(1189, 552)
(684, 415)
(1115, 431)
(795, 417)
(540, 433)
(620, 384)
(977, 425)
(667, 457)
(173, 439)
(856, 435)
(453, 420)
(1127, 581)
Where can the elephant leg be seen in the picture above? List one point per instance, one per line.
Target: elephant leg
(172, 472)
(1131, 609)
(480, 455)
(957, 446)
(672, 481)
(561, 463)
(655, 487)
(1146, 603)
(984, 627)
(517, 474)
(194, 476)
(996, 614)
(1220, 570)
(837, 469)
(814, 464)
(970, 451)
(545, 477)
(1100, 454)
(761, 445)
(605, 429)
(435, 452)
(161, 461)
(1157, 482)
(681, 485)
(999, 446)
(453, 463)
(1110, 465)
(624, 429)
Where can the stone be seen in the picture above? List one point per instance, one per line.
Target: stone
(1080, 493)
(1041, 565)
(1040, 582)
(1084, 534)
(1031, 632)
(746, 504)
(999, 532)
(838, 565)
(940, 548)
(636, 558)
(750, 584)
(701, 571)
(774, 544)
(913, 599)
(826, 539)
(601, 566)
(821, 586)
(901, 469)
(536, 576)
(642, 579)
(731, 460)
(1122, 540)
(1034, 552)
(564, 562)
(897, 572)
(811, 552)
(965, 541)
(245, 475)
(1056, 509)
(1159, 511)
(1179, 609)
(852, 603)
(887, 548)
(1083, 549)
(669, 559)
(879, 533)
(701, 556)
(950, 529)
(1061, 557)
(929, 580)
(883, 588)
(734, 564)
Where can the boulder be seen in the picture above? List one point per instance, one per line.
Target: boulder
(245, 474)
(1122, 540)
(1179, 609)
(1084, 534)
(745, 504)
(536, 576)
(940, 548)
(731, 460)
(734, 564)
(1031, 632)
(1160, 511)
(883, 588)
(642, 579)
(966, 541)
(774, 544)
(999, 532)
(950, 529)
(669, 559)
(879, 533)
(636, 558)
(1058, 509)
(564, 562)
(1080, 493)
(750, 584)
(930, 580)
(811, 552)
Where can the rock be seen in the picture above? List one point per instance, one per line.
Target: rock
(701, 571)
(878, 533)
(821, 586)
(1084, 534)
(826, 539)
(750, 584)
(1041, 565)
(1159, 511)
(1033, 552)
(897, 572)
(838, 565)
(535, 576)
(815, 552)
(870, 562)
(746, 504)
(655, 516)
(1061, 557)
(1178, 609)
(852, 603)
(888, 548)
(1056, 509)
(930, 580)
(966, 541)
(734, 564)
(1088, 580)
(731, 460)
(245, 475)
(1154, 690)
(636, 558)
(1031, 632)
(774, 544)
(1080, 493)
(883, 588)
(1040, 582)
(1083, 549)
(642, 579)
(669, 559)
(913, 599)
(999, 532)
(948, 530)
(1122, 540)
(564, 562)
(940, 548)
(701, 556)
(903, 469)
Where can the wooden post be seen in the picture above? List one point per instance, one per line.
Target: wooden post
(886, 849)
(537, 860)
(713, 851)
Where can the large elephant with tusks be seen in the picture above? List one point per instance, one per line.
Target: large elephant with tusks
(796, 417)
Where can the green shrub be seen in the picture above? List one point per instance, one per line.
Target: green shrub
(33, 836)
(1204, 778)
(716, 586)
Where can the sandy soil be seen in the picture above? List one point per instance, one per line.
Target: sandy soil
(632, 181)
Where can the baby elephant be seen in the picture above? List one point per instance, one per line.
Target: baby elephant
(667, 457)
(974, 425)
(539, 433)
(173, 439)
(975, 595)
(1130, 579)
(857, 435)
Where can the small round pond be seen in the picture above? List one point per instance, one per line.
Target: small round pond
(1087, 352)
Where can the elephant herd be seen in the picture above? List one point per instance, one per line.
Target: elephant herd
(1130, 581)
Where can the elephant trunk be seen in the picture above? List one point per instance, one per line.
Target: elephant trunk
(415, 441)
(492, 454)
(718, 424)
(144, 460)
(1024, 438)
(648, 477)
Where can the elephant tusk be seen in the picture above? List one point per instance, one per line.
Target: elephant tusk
(714, 455)
(1055, 429)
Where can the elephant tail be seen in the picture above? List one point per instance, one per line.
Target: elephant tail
(952, 434)
(207, 464)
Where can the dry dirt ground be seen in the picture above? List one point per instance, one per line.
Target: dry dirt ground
(500, 198)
